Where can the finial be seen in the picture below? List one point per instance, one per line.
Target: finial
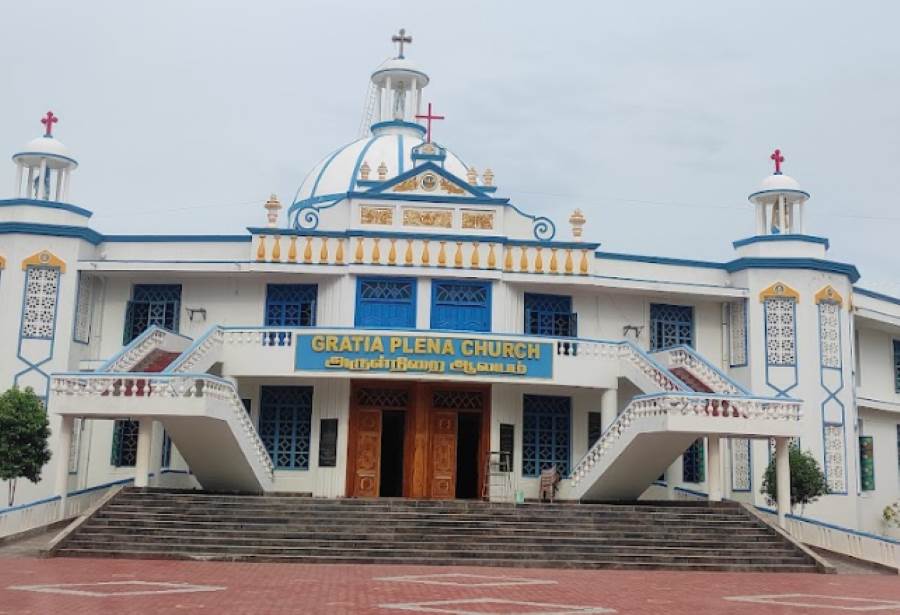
(778, 158)
(428, 117)
(472, 176)
(273, 206)
(402, 39)
(382, 171)
(364, 171)
(488, 177)
(48, 121)
(577, 221)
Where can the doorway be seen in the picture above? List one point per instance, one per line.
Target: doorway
(393, 433)
(468, 443)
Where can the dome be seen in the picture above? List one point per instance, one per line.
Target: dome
(779, 181)
(57, 154)
(339, 173)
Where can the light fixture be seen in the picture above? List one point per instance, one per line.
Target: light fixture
(192, 311)
(636, 329)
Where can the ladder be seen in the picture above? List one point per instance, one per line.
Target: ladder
(368, 111)
(497, 477)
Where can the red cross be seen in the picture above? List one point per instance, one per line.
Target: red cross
(428, 117)
(48, 122)
(778, 158)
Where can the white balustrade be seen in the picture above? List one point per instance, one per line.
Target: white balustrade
(710, 376)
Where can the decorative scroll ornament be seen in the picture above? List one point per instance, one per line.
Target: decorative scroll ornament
(543, 229)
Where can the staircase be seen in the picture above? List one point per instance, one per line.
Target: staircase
(153, 523)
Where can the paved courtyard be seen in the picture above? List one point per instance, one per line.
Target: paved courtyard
(121, 587)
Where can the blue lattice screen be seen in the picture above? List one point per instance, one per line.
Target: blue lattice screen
(897, 365)
(545, 434)
(550, 315)
(461, 306)
(693, 468)
(152, 304)
(284, 425)
(385, 303)
(291, 305)
(124, 443)
(671, 325)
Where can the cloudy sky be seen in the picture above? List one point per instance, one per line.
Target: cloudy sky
(655, 118)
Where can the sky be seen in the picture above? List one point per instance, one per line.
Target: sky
(656, 118)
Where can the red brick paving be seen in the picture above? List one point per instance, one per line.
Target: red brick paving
(323, 589)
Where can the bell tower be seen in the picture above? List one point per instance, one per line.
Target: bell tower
(779, 202)
(44, 166)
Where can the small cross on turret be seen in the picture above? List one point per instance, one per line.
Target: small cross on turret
(778, 158)
(428, 117)
(402, 39)
(48, 123)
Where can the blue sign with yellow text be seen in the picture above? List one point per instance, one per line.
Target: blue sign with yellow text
(424, 354)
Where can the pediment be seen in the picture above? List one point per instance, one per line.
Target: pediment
(429, 180)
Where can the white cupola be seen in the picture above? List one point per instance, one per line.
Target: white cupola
(398, 86)
(43, 166)
(779, 202)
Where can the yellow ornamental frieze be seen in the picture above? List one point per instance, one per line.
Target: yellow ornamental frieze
(450, 188)
(408, 185)
(432, 218)
(376, 215)
(829, 295)
(478, 220)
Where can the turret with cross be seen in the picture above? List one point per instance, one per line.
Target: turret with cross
(401, 38)
(397, 92)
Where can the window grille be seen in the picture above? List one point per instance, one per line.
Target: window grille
(671, 325)
(84, 308)
(595, 427)
(284, 425)
(124, 445)
(693, 470)
(897, 365)
(386, 303)
(550, 315)
(291, 305)
(382, 398)
(39, 309)
(461, 306)
(152, 304)
(737, 329)
(458, 400)
(781, 338)
(545, 434)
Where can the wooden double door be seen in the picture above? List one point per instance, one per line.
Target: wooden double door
(417, 440)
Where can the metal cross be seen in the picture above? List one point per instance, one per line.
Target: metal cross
(402, 39)
(48, 122)
(778, 158)
(428, 117)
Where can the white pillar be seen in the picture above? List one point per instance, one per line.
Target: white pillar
(389, 98)
(142, 462)
(714, 469)
(761, 219)
(609, 407)
(29, 185)
(419, 101)
(671, 479)
(782, 217)
(156, 453)
(19, 170)
(41, 177)
(379, 95)
(798, 217)
(63, 450)
(59, 179)
(783, 479)
(64, 195)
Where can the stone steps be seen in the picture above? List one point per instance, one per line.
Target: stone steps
(195, 525)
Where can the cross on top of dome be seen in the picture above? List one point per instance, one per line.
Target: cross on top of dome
(401, 38)
(778, 158)
(48, 121)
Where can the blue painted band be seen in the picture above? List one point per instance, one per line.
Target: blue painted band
(48, 204)
(810, 264)
(401, 69)
(876, 295)
(45, 155)
(832, 526)
(178, 238)
(766, 238)
(52, 230)
(431, 166)
(658, 260)
(397, 124)
(760, 193)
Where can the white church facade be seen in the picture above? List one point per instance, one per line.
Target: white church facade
(401, 329)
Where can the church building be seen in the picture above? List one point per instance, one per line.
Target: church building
(400, 328)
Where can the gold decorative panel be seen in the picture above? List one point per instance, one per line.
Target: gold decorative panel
(407, 185)
(450, 188)
(435, 218)
(483, 220)
(376, 215)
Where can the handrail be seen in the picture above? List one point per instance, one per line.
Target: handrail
(151, 338)
(714, 406)
(195, 351)
(725, 380)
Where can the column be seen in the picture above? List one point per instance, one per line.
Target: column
(388, 109)
(59, 185)
(783, 479)
(41, 174)
(798, 217)
(63, 450)
(18, 191)
(782, 218)
(29, 185)
(609, 407)
(65, 186)
(156, 454)
(379, 95)
(142, 463)
(761, 219)
(714, 463)
(671, 479)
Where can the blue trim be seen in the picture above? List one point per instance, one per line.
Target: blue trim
(48, 204)
(766, 238)
(811, 264)
(875, 295)
(832, 526)
(832, 396)
(396, 124)
(36, 367)
(400, 164)
(52, 230)
(359, 160)
(659, 260)
(177, 238)
(45, 155)
(325, 166)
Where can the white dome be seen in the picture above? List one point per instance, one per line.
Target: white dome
(57, 154)
(779, 181)
(397, 67)
(338, 173)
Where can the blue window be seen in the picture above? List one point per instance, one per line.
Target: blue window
(546, 434)
(284, 425)
(550, 315)
(386, 303)
(291, 305)
(152, 304)
(124, 444)
(671, 325)
(897, 365)
(693, 469)
(461, 306)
